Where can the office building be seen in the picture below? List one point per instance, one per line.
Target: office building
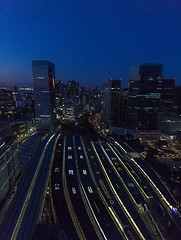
(124, 107)
(59, 89)
(177, 100)
(144, 96)
(69, 112)
(44, 91)
(170, 124)
(166, 88)
(7, 104)
(72, 90)
(111, 109)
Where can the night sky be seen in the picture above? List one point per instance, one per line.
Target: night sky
(89, 40)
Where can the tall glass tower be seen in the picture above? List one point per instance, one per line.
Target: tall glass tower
(111, 102)
(144, 96)
(44, 91)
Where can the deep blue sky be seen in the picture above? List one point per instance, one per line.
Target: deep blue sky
(89, 40)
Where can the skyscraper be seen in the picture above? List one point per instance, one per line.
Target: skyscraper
(166, 88)
(111, 102)
(59, 87)
(144, 96)
(44, 88)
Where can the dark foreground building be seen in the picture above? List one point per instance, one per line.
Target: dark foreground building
(9, 166)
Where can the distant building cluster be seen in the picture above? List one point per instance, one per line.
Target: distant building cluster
(57, 102)
(16, 111)
(148, 108)
(16, 122)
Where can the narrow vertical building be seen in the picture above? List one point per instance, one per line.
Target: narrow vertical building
(166, 88)
(111, 111)
(44, 91)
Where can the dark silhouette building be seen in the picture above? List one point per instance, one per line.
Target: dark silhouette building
(59, 91)
(9, 166)
(144, 96)
(111, 110)
(166, 87)
(72, 91)
(177, 100)
(44, 91)
(7, 104)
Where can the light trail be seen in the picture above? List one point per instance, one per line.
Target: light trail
(160, 194)
(118, 199)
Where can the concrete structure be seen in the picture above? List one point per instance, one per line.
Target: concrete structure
(137, 134)
(147, 134)
(121, 131)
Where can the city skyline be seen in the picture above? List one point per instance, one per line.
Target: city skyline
(89, 41)
(20, 84)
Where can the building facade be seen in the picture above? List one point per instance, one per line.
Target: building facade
(111, 109)
(170, 124)
(69, 112)
(144, 96)
(177, 100)
(7, 104)
(9, 167)
(166, 87)
(44, 91)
